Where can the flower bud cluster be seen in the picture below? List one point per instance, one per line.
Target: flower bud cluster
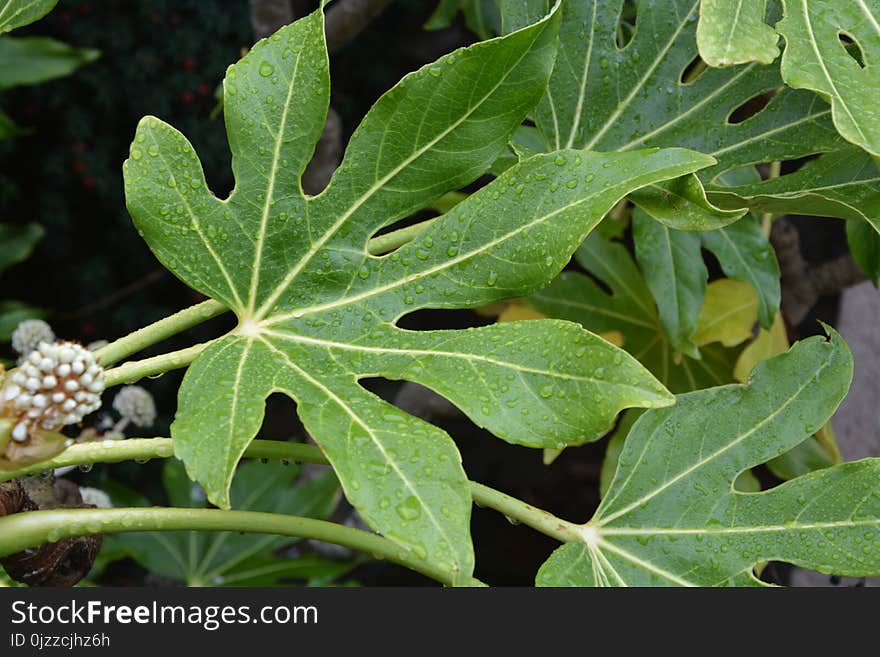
(56, 384)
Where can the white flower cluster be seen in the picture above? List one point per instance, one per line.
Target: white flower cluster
(55, 385)
(136, 405)
(28, 335)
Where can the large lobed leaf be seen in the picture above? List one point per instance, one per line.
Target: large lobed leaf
(831, 47)
(604, 97)
(317, 313)
(672, 517)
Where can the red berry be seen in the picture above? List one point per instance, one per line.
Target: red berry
(204, 89)
(189, 63)
(187, 97)
(79, 166)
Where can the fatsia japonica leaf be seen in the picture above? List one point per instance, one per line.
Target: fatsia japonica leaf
(831, 47)
(735, 32)
(605, 97)
(672, 517)
(629, 309)
(317, 312)
(844, 184)
(16, 13)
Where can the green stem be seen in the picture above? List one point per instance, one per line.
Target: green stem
(138, 369)
(142, 449)
(20, 531)
(158, 331)
(397, 238)
(517, 510)
(767, 217)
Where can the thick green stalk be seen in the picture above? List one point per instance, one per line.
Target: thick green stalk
(20, 531)
(138, 369)
(158, 331)
(142, 449)
(519, 511)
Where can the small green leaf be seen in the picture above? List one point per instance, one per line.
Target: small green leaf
(673, 517)
(816, 57)
(864, 244)
(17, 13)
(31, 60)
(745, 253)
(734, 32)
(17, 242)
(674, 271)
(682, 204)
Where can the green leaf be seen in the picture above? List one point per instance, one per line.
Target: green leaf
(728, 313)
(816, 57)
(603, 98)
(16, 13)
(674, 271)
(682, 204)
(13, 313)
(745, 253)
(672, 516)
(616, 441)
(229, 558)
(17, 243)
(734, 32)
(844, 184)
(317, 313)
(629, 309)
(31, 60)
(864, 244)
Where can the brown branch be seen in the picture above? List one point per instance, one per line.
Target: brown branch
(268, 16)
(802, 284)
(348, 18)
(345, 19)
